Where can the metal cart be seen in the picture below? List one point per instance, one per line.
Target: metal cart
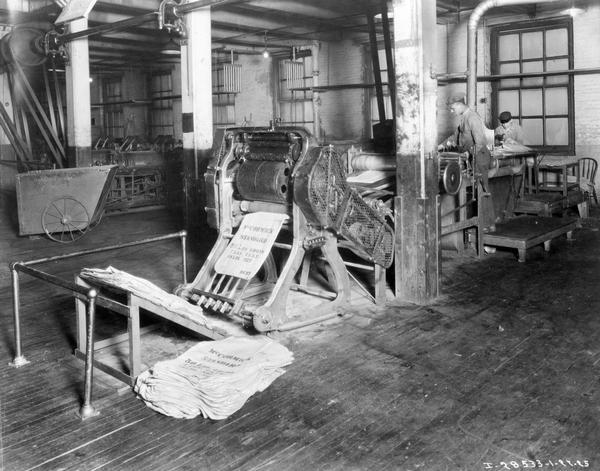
(63, 203)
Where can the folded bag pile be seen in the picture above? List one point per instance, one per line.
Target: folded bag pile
(213, 378)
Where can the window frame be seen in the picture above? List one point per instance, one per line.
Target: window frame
(527, 27)
(113, 119)
(223, 103)
(296, 103)
(161, 108)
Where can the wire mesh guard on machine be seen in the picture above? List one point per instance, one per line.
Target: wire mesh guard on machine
(335, 205)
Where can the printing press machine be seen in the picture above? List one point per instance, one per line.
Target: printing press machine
(284, 171)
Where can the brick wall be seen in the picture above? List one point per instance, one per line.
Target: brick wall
(134, 87)
(254, 103)
(344, 112)
(452, 39)
(586, 38)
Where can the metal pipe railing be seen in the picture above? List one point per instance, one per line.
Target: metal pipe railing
(87, 410)
(462, 76)
(181, 234)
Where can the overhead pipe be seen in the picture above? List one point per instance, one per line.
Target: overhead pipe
(479, 11)
(109, 28)
(548, 73)
(188, 7)
(137, 20)
(461, 76)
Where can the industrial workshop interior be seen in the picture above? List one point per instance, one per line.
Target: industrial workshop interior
(299, 234)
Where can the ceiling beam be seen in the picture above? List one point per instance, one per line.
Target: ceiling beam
(254, 44)
(130, 43)
(46, 13)
(119, 9)
(251, 30)
(285, 18)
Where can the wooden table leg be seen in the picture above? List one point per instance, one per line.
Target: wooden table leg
(583, 209)
(80, 310)
(380, 285)
(570, 236)
(522, 255)
(547, 245)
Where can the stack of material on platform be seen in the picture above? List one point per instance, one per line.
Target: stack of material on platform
(213, 378)
(514, 148)
(145, 289)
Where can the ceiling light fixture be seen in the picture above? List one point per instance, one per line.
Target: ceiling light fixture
(171, 49)
(265, 52)
(573, 11)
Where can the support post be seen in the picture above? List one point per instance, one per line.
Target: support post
(184, 256)
(19, 359)
(417, 257)
(79, 114)
(316, 96)
(87, 409)
(196, 105)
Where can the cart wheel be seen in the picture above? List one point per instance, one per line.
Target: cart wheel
(65, 220)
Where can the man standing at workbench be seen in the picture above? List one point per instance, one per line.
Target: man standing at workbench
(470, 137)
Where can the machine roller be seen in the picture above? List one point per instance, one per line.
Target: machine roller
(283, 171)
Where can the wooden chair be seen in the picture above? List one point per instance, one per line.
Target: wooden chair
(587, 174)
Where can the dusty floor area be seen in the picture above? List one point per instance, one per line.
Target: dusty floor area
(500, 372)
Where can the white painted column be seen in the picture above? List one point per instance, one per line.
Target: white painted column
(196, 107)
(79, 114)
(196, 83)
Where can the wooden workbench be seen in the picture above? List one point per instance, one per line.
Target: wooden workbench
(524, 232)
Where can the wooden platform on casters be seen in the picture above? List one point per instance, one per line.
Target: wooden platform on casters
(524, 232)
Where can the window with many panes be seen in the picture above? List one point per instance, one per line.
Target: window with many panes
(543, 104)
(223, 97)
(113, 109)
(161, 111)
(294, 91)
(223, 109)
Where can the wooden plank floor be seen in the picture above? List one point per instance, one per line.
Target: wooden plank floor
(502, 368)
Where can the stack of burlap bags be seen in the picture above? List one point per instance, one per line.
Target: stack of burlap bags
(213, 378)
